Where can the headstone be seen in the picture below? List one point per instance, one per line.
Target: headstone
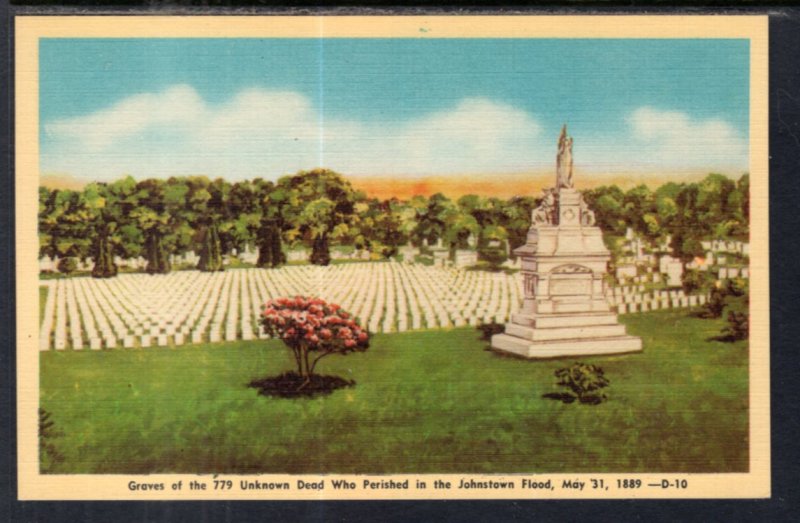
(465, 258)
(626, 271)
(564, 260)
(674, 272)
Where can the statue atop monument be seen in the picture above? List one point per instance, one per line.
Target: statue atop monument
(565, 311)
(564, 161)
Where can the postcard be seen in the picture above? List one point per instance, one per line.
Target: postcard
(384, 257)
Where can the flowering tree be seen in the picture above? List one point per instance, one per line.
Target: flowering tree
(313, 329)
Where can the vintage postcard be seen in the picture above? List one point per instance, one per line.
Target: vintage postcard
(445, 257)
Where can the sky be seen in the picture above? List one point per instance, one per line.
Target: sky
(242, 108)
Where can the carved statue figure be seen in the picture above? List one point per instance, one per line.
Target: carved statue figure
(564, 160)
(545, 213)
(587, 215)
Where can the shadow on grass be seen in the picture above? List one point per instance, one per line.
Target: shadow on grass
(565, 397)
(292, 385)
(725, 338)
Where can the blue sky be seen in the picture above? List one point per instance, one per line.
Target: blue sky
(265, 107)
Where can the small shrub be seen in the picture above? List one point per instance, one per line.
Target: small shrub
(731, 300)
(583, 382)
(312, 329)
(716, 303)
(494, 253)
(67, 265)
(738, 327)
(48, 453)
(694, 280)
(737, 307)
(490, 329)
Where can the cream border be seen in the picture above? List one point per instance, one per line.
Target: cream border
(29, 29)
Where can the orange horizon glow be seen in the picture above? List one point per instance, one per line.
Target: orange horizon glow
(454, 186)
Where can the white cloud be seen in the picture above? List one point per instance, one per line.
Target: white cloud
(673, 138)
(270, 133)
(179, 106)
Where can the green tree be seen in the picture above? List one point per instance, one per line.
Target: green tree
(518, 220)
(211, 250)
(608, 206)
(320, 209)
(155, 220)
(64, 224)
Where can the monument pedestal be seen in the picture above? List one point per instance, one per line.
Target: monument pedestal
(564, 311)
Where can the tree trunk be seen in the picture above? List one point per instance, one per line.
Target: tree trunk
(157, 259)
(265, 246)
(211, 252)
(278, 257)
(104, 266)
(320, 253)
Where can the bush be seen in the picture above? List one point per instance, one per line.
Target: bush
(693, 280)
(494, 253)
(67, 265)
(732, 301)
(716, 302)
(583, 382)
(738, 327)
(490, 329)
(312, 329)
(737, 308)
(48, 453)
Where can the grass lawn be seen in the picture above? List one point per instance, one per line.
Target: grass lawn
(42, 300)
(428, 401)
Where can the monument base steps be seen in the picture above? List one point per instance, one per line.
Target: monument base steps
(566, 348)
(565, 333)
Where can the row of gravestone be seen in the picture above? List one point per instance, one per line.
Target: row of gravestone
(653, 304)
(193, 305)
(140, 310)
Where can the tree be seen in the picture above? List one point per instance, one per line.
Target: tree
(493, 249)
(458, 227)
(64, 224)
(104, 266)
(102, 208)
(156, 219)
(266, 243)
(607, 204)
(685, 230)
(270, 233)
(211, 251)
(157, 258)
(320, 207)
(313, 329)
(518, 212)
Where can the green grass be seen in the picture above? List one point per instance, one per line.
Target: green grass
(429, 401)
(42, 300)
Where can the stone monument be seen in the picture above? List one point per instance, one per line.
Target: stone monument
(564, 312)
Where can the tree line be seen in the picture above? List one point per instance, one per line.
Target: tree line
(155, 219)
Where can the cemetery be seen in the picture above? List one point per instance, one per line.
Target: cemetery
(151, 368)
(190, 307)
